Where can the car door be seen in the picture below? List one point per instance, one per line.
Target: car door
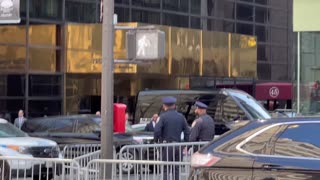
(295, 154)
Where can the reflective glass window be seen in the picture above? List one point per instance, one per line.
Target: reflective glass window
(176, 5)
(85, 12)
(279, 72)
(147, 3)
(175, 20)
(123, 14)
(12, 85)
(244, 12)
(262, 33)
(262, 15)
(120, 1)
(48, 9)
(263, 52)
(40, 108)
(43, 59)
(196, 6)
(229, 9)
(281, 4)
(44, 85)
(146, 16)
(279, 54)
(228, 26)
(23, 10)
(196, 23)
(278, 17)
(246, 0)
(12, 58)
(245, 28)
(279, 36)
(86, 125)
(299, 140)
(265, 2)
(264, 71)
(259, 144)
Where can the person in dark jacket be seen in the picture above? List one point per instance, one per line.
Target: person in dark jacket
(203, 128)
(152, 124)
(168, 130)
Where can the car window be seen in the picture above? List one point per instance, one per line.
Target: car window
(148, 105)
(38, 125)
(62, 125)
(86, 125)
(261, 143)
(300, 140)
(229, 111)
(230, 146)
(8, 130)
(255, 109)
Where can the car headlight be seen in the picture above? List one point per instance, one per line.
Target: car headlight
(20, 149)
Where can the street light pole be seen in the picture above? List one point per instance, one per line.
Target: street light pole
(107, 85)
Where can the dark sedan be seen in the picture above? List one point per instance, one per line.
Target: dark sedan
(286, 149)
(84, 129)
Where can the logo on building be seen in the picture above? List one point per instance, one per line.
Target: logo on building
(9, 11)
(274, 92)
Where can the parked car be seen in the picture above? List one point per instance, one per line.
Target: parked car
(287, 148)
(226, 106)
(84, 129)
(15, 143)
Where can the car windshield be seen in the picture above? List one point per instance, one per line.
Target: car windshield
(8, 130)
(250, 105)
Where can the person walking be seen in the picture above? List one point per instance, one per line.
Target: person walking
(152, 124)
(202, 128)
(168, 130)
(19, 121)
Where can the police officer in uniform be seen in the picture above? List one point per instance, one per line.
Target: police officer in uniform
(168, 130)
(203, 128)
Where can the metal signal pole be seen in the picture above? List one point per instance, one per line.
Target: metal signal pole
(107, 86)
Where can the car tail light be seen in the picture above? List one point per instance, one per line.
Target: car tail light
(204, 160)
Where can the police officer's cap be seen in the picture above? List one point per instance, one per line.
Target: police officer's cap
(169, 100)
(201, 105)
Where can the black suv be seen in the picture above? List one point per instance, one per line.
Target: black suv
(226, 106)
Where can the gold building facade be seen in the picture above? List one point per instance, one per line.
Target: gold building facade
(71, 56)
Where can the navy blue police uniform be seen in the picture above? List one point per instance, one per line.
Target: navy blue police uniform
(203, 128)
(168, 130)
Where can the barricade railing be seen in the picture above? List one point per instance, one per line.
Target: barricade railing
(157, 170)
(167, 152)
(71, 151)
(25, 168)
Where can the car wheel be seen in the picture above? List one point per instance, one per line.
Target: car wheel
(128, 168)
(4, 170)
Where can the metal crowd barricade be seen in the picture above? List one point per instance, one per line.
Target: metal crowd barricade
(72, 151)
(180, 152)
(172, 170)
(26, 168)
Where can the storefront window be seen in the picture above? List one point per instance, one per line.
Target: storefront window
(40, 108)
(44, 85)
(310, 73)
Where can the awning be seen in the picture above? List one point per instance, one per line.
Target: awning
(273, 90)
